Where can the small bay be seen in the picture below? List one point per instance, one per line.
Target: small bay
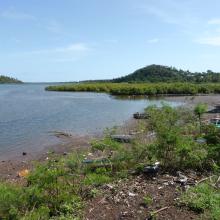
(28, 115)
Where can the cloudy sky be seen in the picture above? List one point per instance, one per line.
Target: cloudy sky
(68, 40)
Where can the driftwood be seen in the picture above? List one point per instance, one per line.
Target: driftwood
(215, 185)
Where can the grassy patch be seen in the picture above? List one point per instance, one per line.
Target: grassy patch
(205, 200)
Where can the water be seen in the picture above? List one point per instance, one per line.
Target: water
(28, 113)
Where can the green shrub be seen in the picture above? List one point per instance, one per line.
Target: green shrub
(95, 179)
(204, 199)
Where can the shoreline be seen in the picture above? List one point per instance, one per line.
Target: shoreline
(9, 168)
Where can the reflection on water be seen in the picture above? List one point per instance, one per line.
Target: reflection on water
(28, 114)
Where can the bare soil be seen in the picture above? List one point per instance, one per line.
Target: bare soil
(124, 200)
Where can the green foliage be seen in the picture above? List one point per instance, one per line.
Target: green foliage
(174, 147)
(200, 109)
(106, 144)
(212, 135)
(96, 179)
(51, 191)
(204, 199)
(147, 200)
(150, 89)
(5, 79)
(10, 201)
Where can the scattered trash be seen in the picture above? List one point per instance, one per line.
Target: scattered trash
(92, 161)
(201, 140)
(151, 169)
(131, 194)
(182, 179)
(215, 121)
(23, 173)
(139, 115)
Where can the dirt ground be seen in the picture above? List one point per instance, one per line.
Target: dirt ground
(125, 200)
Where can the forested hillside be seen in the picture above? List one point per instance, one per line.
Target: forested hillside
(159, 73)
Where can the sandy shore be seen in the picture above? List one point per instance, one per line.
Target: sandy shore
(9, 168)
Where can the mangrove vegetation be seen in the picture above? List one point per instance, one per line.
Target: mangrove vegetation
(150, 89)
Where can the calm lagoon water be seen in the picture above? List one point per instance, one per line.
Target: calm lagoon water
(28, 114)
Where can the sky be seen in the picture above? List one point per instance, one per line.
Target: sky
(72, 40)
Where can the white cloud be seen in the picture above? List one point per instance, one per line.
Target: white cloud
(75, 47)
(13, 14)
(69, 53)
(170, 11)
(161, 14)
(215, 21)
(153, 41)
(212, 41)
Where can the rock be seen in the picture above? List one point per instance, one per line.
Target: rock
(122, 138)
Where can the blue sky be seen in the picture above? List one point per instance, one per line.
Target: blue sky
(68, 40)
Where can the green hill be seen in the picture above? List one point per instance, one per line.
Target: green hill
(6, 79)
(159, 73)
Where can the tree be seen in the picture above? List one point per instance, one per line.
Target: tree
(199, 110)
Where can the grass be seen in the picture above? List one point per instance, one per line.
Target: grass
(140, 88)
(204, 199)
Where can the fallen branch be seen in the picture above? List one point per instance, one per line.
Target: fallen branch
(204, 179)
(160, 210)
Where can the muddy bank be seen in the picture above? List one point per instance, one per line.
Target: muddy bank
(190, 101)
(10, 168)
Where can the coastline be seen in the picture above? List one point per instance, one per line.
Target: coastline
(9, 168)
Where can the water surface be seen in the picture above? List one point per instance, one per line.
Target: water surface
(28, 113)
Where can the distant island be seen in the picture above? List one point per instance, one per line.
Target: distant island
(6, 79)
